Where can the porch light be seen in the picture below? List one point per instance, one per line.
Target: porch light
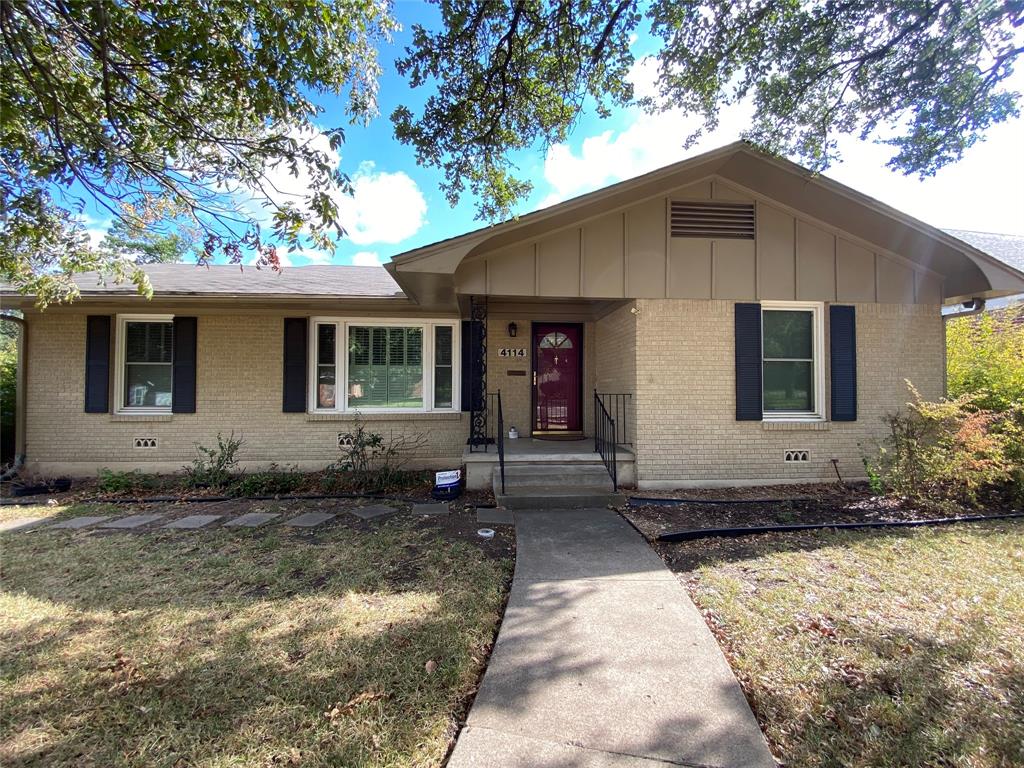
(513, 329)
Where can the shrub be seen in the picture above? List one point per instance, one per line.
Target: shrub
(213, 466)
(110, 481)
(274, 481)
(372, 463)
(950, 450)
(985, 356)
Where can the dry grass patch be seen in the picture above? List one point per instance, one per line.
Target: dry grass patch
(353, 645)
(877, 649)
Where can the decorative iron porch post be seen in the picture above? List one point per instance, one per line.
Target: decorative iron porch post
(478, 436)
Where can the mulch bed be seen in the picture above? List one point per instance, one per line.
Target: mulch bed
(795, 505)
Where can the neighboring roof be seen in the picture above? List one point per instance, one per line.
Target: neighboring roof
(334, 281)
(1006, 248)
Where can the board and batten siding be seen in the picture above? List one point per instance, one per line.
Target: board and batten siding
(630, 253)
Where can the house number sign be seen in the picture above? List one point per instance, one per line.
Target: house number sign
(512, 352)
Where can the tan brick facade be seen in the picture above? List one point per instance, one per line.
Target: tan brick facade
(686, 425)
(675, 356)
(238, 388)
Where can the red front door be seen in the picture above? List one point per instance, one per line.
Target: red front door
(557, 369)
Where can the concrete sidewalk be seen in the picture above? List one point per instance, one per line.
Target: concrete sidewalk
(603, 661)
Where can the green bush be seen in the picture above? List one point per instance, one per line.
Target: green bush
(110, 481)
(274, 481)
(213, 467)
(985, 357)
(951, 451)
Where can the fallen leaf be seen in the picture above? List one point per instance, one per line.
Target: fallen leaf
(430, 666)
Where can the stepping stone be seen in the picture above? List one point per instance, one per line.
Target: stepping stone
(132, 521)
(192, 522)
(22, 523)
(80, 522)
(251, 520)
(431, 509)
(495, 516)
(310, 519)
(368, 513)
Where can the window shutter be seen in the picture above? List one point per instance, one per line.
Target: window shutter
(843, 346)
(748, 362)
(183, 369)
(471, 330)
(97, 364)
(295, 351)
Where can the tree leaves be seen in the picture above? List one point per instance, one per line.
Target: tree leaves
(924, 77)
(139, 105)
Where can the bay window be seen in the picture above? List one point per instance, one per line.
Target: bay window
(791, 344)
(382, 366)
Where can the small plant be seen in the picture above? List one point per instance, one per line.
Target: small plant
(274, 481)
(212, 468)
(111, 481)
(372, 463)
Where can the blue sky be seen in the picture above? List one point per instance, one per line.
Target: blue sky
(399, 206)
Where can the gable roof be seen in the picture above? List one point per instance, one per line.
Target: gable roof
(968, 271)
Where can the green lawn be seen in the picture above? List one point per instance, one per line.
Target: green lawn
(353, 645)
(877, 649)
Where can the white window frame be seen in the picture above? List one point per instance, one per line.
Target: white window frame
(817, 310)
(342, 325)
(120, 342)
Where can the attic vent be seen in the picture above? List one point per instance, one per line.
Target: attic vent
(144, 442)
(797, 456)
(714, 219)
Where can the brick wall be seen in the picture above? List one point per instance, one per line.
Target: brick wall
(238, 387)
(686, 426)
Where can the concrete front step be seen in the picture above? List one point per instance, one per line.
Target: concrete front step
(556, 497)
(577, 474)
(554, 486)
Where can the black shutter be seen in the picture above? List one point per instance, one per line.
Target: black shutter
(748, 362)
(472, 365)
(843, 345)
(97, 364)
(295, 350)
(183, 370)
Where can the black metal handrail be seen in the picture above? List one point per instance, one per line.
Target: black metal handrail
(500, 440)
(617, 405)
(605, 439)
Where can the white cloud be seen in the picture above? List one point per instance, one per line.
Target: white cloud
(95, 228)
(365, 259)
(385, 207)
(980, 192)
(650, 141)
(282, 255)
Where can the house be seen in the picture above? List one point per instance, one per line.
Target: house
(729, 319)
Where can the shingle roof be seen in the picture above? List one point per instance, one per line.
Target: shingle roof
(1006, 248)
(222, 280)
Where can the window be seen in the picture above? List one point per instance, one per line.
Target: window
(792, 359)
(384, 366)
(145, 354)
